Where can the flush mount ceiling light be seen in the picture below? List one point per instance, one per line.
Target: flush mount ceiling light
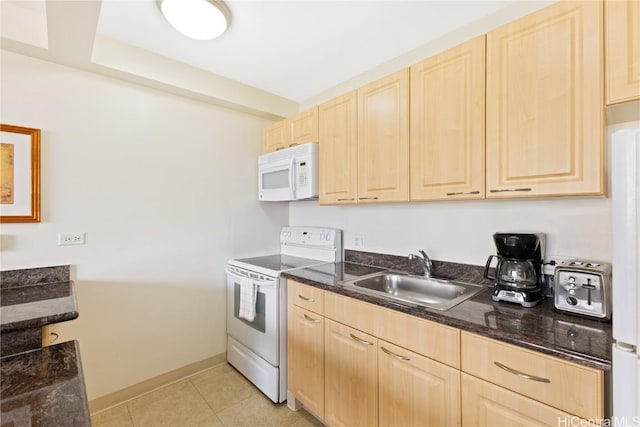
(198, 19)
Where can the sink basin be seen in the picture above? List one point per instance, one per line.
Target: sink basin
(433, 293)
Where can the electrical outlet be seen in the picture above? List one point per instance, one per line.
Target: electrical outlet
(70, 238)
(358, 241)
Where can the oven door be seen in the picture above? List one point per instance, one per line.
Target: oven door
(261, 335)
(276, 180)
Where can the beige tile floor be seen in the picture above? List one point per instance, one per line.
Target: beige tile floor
(219, 396)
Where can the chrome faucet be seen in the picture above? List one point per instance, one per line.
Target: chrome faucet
(425, 261)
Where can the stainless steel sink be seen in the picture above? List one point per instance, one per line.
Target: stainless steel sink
(433, 293)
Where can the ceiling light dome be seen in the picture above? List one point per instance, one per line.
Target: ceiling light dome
(198, 19)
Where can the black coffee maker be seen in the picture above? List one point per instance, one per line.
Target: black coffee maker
(518, 276)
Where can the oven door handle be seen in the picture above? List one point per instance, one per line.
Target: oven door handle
(261, 283)
(265, 283)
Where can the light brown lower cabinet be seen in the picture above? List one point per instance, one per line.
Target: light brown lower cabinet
(576, 389)
(344, 369)
(56, 333)
(351, 376)
(305, 340)
(414, 390)
(367, 381)
(487, 405)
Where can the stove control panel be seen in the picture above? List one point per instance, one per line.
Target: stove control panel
(583, 288)
(309, 236)
(312, 242)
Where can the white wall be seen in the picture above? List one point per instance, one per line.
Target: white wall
(482, 25)
(165, 189)
(461, 231)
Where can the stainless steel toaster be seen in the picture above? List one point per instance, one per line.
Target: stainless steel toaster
(583, 287)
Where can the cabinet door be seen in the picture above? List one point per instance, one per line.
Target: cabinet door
(276, 136)
(447, 124)
(339, 150)
(383, 140)
(544, 103)
(305, 368)
(304, 127)
(414, 390)
(622, 38)
(487, 405)
(351, 377)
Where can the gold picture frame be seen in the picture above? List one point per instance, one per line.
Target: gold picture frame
(19, 174)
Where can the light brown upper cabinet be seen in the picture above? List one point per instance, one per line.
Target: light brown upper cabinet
(299, 129)
(338, 155)
(383, 139)
(304, 127)
(276, 136)
(544, 103)
(447, 124)
(622, 50)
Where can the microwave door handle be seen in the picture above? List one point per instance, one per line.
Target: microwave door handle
(292, 176)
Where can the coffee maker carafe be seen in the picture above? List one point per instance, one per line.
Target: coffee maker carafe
(518, 277)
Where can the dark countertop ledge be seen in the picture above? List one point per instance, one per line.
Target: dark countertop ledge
(542, 328)
(36, 304)
(44, 387)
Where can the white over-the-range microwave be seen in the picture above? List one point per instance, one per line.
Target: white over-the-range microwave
(289, 174)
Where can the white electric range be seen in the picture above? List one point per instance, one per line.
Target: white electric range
(258, 347)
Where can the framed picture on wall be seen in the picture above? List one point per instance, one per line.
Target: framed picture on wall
(19, 174)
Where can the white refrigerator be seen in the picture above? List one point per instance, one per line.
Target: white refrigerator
(625, 212)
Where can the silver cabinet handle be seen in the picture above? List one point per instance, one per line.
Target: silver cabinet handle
(458, 193)
(311, 318)
(294, 144)
(392, 354)
(280, 148)
(521, 374)
(54, 337)
(368, 198)
(361, 341)
(346, 199)
(509, 189)
(303, 298)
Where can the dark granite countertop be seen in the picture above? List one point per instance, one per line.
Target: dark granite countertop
(541, 328)
(44, 387)
(37, 304)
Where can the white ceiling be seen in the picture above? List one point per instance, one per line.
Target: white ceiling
(294, 49)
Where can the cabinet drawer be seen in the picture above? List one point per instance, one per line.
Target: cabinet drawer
(487, 405)
(569, 387)
(306, 296)
(438, 342)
